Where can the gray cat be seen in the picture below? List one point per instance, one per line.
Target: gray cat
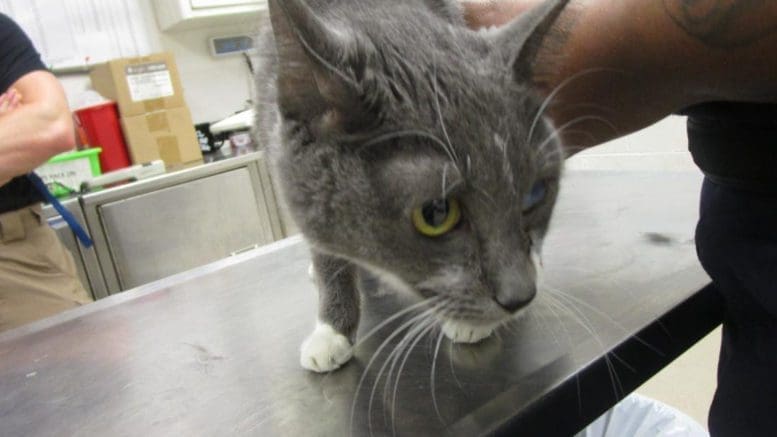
(413, 148)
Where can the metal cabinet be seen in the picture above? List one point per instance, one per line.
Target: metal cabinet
(87, 266)
(158, 227)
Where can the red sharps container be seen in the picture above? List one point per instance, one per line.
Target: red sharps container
(101, 124)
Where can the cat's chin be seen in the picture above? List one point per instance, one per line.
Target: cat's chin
(463, 332)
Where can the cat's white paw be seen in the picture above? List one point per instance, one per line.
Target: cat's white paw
(459, 332)
(325, 349)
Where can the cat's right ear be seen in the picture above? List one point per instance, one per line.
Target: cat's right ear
(317, 68)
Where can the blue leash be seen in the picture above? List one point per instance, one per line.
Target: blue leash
(81, 234)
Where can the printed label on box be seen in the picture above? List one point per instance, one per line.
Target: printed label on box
(149, 81)
(67, 173)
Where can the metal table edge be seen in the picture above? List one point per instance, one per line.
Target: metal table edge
(688, 322)
(143, 290)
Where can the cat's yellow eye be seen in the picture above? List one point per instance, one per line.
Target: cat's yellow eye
(437, 217)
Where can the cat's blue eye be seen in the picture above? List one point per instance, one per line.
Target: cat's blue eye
(535, 196)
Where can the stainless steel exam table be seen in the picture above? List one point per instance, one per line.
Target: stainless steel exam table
(214, 351)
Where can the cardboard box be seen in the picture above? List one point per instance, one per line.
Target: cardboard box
(140, 85)
(167, 135)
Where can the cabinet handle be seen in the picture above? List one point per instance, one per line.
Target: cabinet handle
(244, 250)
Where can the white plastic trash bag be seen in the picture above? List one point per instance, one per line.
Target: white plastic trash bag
(638, 416)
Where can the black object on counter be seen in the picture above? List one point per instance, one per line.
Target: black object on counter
(208, 143)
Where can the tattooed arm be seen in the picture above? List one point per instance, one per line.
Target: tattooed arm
(724, 23)
(617, 66)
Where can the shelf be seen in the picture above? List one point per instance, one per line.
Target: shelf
(179, 15)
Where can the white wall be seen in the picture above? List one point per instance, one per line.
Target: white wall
(213, 88)
(661, 147)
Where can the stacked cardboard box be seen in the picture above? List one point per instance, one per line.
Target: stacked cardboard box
(155, 120)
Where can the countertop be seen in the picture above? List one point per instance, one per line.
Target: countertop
(214, 351)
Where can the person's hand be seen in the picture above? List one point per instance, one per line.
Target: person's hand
(494, 12)
(9, 101)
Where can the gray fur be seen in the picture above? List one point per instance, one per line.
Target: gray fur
(369, 108)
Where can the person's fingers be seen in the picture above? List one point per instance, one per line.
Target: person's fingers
(16, 99)
(477, 13)
(5, 102)
(10, 100)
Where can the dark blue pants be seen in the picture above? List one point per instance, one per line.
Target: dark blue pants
(736, 240)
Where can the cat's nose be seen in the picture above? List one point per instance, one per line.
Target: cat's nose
(515, 293)
(513, 304)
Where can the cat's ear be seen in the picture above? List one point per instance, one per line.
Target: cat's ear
(519, 41)
(318, 67)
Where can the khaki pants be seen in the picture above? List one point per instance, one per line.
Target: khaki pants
(37, 273)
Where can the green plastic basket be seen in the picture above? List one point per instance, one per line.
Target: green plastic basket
(64, 173)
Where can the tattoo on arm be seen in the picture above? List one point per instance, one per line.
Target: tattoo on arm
(724, 23)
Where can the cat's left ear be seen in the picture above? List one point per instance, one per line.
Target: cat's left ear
(321, 70)
(518, 42)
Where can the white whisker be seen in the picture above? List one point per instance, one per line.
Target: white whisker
(392, 359)
(376, 354)
(432, 377)
(334, 275)
(419, 337)
(583, 320)
(557, 132)
(577, 301)
(395, 316)
(485, 194)
(450, 362)
(545, 324)
(444, 181)
(544, 106)
(418, 322)
(410, 133)
(439, 115)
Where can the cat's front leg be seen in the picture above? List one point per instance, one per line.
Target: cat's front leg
(330, 344)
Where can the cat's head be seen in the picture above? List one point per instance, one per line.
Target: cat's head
(417, 148)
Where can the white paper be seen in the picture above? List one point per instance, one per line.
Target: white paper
(73, 33)
(149, 81)
(68, 173)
